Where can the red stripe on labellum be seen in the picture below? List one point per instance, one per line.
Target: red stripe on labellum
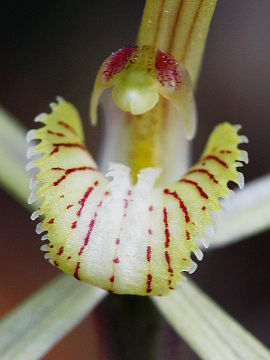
(203, 208)
(148, 253)
(69, 206)
(57, 146)
(204, 171)
(69, 257)
(187, 235)
(181, 203)
(60, 251)
(51, 221)
(148, 283)
(117, 241)
(215, 158)
(50, 132)
(83, 200)
(70, 171)
(112, 278)
(225, 151)
(167, 233)
(116, 260)
(151, 208)
(74, 224)
(197, 186)
(76, 272)
(87, 237)
(55, 263)
(68, 127)
(168, 259)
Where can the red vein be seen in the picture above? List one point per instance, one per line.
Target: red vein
(148, 283)
(197, 186)
(60, 251)
(87, 237)
(83, 200)
(225, 151)
(66, 145)
(167, 233)
(181, 203)
(76, 272)
(67, 126)
(70, 171)
(217, 159)
(148, 253)
(204, 171)
(50, 132)
(168, 259)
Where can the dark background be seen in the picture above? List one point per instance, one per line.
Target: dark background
(51, 48)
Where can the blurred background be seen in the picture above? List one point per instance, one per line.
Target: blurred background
(54, 48)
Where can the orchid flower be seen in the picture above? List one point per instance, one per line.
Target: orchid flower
(133, 228)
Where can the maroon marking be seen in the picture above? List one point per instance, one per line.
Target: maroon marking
(62, 196)
(58, 168)
(149, 281)
(125, 203)
(68, 127)
(55, 263)
(83, 200)
(87, 237)
(167, 233)
(204, 171)
(112, 278)
(74, 224)
(96, 183)
(67, 145)
(168, 259)
(215, 158)
(151, 208)
(51, 221)
(167, 69)
(225, 151)
(69, 206)
(129, 192)
(100, 203)
(117, 241)
(60, 251)
(76, 272)
(116, 260)
(117, 61)
(150, 232)
(70, 171)
(203, 208)
(69, 257)
(181, 203)
(197, 186)
(187, 235)
(51, 246)
(55, 133)
(148, 253)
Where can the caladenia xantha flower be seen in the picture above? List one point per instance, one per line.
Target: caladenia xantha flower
(132, 230)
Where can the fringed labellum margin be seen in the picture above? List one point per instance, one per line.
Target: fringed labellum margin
(125, 238)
